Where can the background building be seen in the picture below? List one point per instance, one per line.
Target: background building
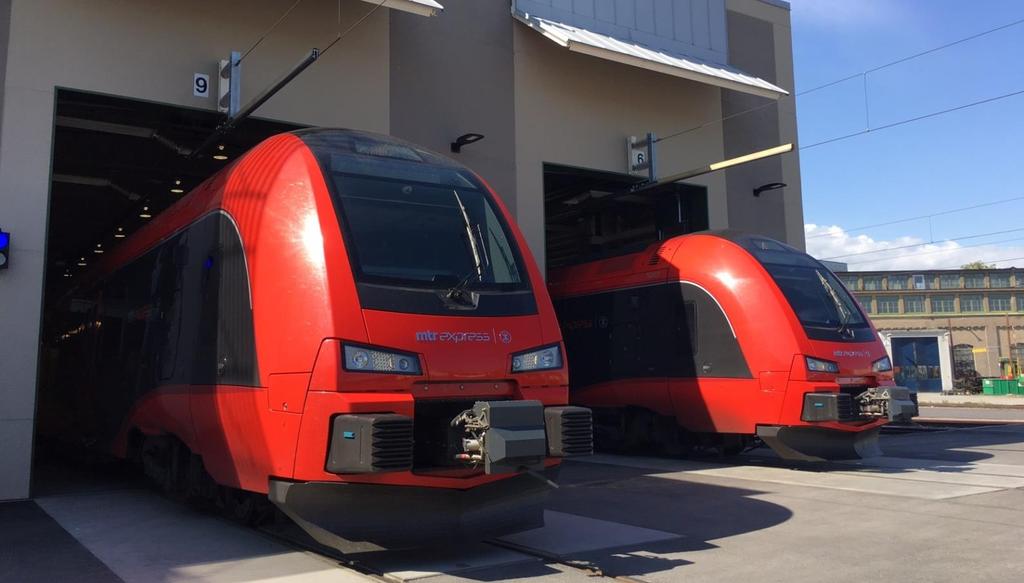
(103, 102)
(941, 322)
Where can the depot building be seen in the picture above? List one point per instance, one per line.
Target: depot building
(111, 110)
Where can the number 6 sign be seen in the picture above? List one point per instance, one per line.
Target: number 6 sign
(201, 85)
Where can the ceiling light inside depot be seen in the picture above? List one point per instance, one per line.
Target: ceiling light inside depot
(220, 155)
(177, 187)
(120, 233)
(145, 214)
(99, 249)
(81, 262)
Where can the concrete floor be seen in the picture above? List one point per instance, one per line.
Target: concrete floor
(940, 506)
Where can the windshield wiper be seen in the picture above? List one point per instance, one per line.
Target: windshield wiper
(457, 291)
(841, 309)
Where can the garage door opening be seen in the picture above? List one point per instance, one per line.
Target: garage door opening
(591, 215)
(116, 164)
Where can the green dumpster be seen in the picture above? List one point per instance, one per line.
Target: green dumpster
(988, 386)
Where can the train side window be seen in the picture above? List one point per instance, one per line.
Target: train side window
(236, 344)
(689, 327)
(173, 258)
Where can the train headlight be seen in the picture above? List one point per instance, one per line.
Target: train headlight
(819, 365)
(882, 365)
(547, 358)
(366, 359)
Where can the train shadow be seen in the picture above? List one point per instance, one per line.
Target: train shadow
(631, 522)
(940, 450)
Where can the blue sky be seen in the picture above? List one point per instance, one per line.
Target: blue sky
(954, 160)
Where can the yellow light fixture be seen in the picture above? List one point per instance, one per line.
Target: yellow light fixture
(712, 168)
(119, 234)
(177, 187)
(751, 157)
(145, 214)
(220, 155)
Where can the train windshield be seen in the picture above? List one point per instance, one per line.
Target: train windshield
(821, 303)
(436, 235)
(423, 234)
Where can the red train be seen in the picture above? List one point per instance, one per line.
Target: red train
(339, 320)
(727, 336)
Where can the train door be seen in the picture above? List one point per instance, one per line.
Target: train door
(916, 363)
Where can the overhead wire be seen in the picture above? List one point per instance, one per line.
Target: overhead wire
(269, 30)
(934, 252)
(919, 217)
(863, 73)
(950, 240)
(342, 35)
(913, 119)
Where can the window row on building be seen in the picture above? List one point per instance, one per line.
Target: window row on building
(942, 303)
(901, 281)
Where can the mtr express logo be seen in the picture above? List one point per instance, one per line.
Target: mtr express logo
(459, 337)
(852, 354)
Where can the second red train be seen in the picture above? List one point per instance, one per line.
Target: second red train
(719, 337)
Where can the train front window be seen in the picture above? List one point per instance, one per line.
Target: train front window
(430, 235)
(821, 303)
(422, 233)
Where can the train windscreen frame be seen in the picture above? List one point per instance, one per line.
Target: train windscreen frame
(825, 308)
(423, 234)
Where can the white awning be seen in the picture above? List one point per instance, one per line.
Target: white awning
(421, 7)
(584, 41)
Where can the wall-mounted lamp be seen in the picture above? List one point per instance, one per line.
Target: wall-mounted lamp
(465, 140)
(769, 186)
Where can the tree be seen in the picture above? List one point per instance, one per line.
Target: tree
(978, 265)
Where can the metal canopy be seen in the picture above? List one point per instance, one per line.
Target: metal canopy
(588, 42)
(421, 7)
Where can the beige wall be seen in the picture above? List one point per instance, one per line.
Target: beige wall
(578, 110)
(755, 26)
(147, 49)
(452, 75)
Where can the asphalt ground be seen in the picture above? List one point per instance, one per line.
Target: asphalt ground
(973, 414)
(941, 505)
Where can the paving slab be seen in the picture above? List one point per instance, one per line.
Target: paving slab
(836, 480)
(35, 549)
(943, 466)
(443, 560)
(564, 535)
(143, 537)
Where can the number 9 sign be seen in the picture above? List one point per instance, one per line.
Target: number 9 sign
(201, 85)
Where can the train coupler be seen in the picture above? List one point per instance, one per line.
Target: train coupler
(505, 436)
(895, 403)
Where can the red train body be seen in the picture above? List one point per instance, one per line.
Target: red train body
(340, 320)
(729, 336)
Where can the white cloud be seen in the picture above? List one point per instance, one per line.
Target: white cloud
(863, 252)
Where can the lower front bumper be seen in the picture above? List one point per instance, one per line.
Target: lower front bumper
(815, 444)
(351, 517)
